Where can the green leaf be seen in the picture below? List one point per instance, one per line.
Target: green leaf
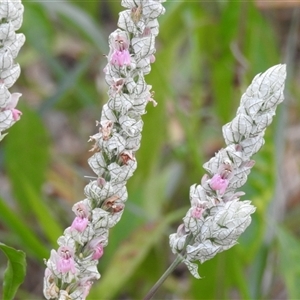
(27, 155)
(69, 81)
(130, 256)
(41, 36)
(80, 20)
(261, 47)
(289, 256)
(164, 182)
(47, 222)
(214, 285)
(43, 39)
(22, 232)
(223, 67)
(15, 272)
(26, 160)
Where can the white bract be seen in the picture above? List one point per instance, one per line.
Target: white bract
(11, 17)
(217, 217)
(71, 270)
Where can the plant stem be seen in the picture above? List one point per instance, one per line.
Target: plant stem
(175, 263)
(161, 280)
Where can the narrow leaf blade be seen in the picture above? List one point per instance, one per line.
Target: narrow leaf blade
(289, 254)
(24, 234)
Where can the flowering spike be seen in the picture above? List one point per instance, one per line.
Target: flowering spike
(72, 269)
(11, 15)
(217, 217)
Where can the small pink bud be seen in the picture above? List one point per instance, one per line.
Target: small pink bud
(12, 103)
(16, 114)
(86, 289)
(101, 182)
(152, 59)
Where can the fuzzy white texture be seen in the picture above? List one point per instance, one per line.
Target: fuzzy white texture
(217, 217)
(11, 18)
(72, 269)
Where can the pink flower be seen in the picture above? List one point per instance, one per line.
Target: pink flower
(120, 58)
(101, 182)
(80, 224)
(97, 247)
(98, 252)
(218, 183)
(197, 212)
(81, 210)
(65, 261)
(119, 40)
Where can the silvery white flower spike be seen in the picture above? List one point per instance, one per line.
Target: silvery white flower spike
(217, 217)
(72, 269)
(11, 17)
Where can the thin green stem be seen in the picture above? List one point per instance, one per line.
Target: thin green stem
(175, 263)
(162, 279)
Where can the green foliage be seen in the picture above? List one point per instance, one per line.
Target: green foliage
(130, 256)
(26, 156)
(15, 272)
(289, 249)
(207, 54)
(23, 234)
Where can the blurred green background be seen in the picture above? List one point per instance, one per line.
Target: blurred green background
(207, 54)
